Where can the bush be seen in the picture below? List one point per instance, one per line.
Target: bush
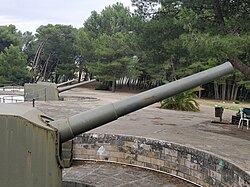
(184, 101)
(102, 87)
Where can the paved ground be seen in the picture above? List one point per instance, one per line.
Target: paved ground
(189, 128)
(100, 174)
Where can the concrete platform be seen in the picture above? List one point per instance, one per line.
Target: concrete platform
(101, 174)
(188, 128)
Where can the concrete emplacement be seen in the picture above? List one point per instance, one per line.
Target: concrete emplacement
(30, 139)
(190, 164)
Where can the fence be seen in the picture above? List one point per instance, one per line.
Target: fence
(11, 99)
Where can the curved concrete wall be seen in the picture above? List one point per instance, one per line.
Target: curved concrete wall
(200, 167)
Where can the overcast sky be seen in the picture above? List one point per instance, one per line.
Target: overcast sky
(28, 15)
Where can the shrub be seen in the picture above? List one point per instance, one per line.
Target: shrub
(184, 101)
(101, 87)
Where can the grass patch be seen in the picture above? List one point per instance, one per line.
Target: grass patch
(229, 105)
(235, 108)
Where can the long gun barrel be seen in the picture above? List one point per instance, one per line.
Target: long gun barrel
(70, 127)
(74, 85)
(67, 82)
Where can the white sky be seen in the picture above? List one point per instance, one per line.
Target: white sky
(28, 15)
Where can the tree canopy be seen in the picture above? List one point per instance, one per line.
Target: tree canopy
(52, 52)
(161, 41)
(9, 36)
(13, 66)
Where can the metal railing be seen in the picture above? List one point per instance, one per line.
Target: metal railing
(12, 88)
(11, 99)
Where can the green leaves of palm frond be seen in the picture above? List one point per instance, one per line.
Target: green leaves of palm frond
(184, 101)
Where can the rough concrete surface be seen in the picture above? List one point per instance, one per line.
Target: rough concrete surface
(192, 129)
(101, 174)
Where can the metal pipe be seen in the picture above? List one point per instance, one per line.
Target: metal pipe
(70, 127)
(74, 85)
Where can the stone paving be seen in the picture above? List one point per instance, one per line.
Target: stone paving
(101, 174)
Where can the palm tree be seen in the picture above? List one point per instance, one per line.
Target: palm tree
(184, 101)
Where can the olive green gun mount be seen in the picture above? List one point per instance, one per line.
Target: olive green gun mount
(47, 91)
(31, 142)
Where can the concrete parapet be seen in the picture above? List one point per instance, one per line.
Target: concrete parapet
(41, 91)
(197, 166)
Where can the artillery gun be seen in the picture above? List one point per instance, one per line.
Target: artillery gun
(31, 142)
(47, 91)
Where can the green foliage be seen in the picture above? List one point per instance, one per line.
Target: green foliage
(57, 43)
(184, 101)
(67, 71)
(113, 57)
(2, 81)
(205, 51)
(109, 40)
(9, 36)
(246, 84)
(155, 39)
(210, 32)
(83, 44)
(102, 87)
(162, 41)
(145, 9)
(112, 19)
(13, 66)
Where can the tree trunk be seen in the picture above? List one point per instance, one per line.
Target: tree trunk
(236, 92)
(223, 90)
(113, 85)
(228, 90)
(37, 55)
(218, 13)
(216, 91)
(121, 82)
(199, 95)
(56, 78)
(138, 84)
(238, 64)
(87, 76)
(245, 97)
(45, 68)
(128, 83)
(232, 92)
(80, 72)
(134, 84)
